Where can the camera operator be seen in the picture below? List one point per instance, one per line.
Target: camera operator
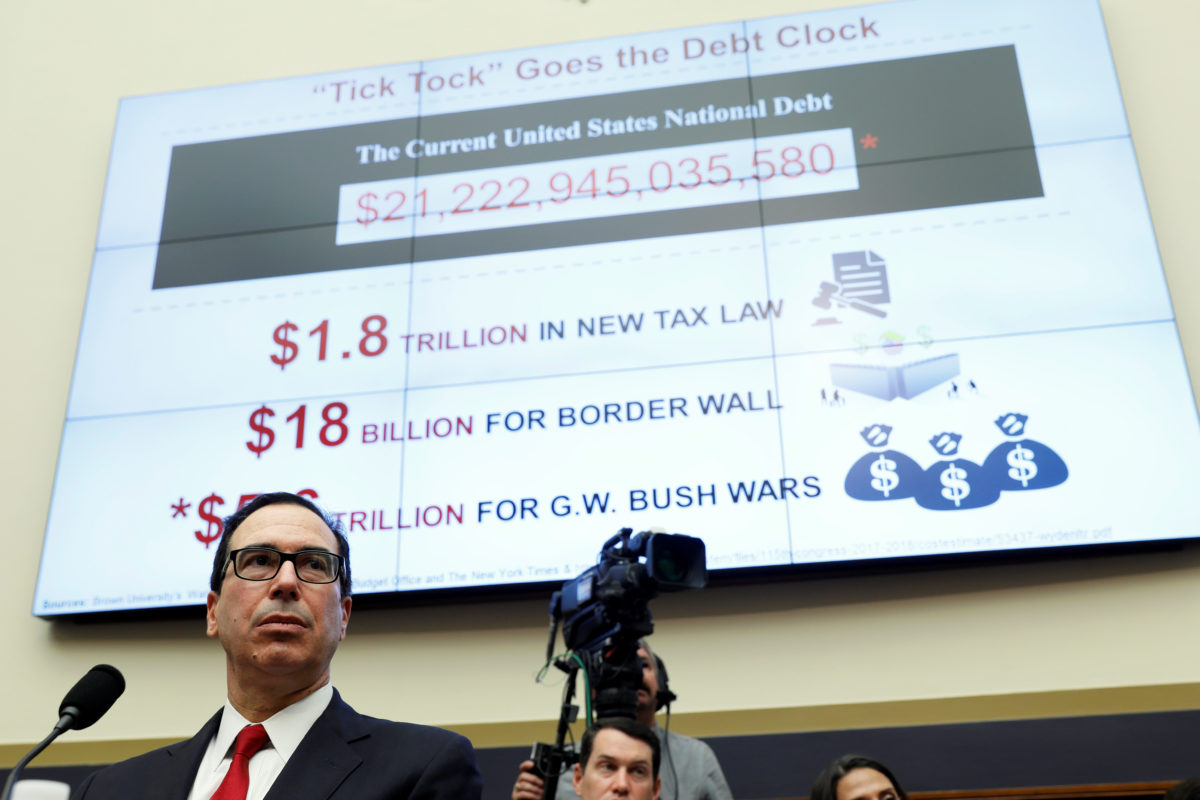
(689, 768)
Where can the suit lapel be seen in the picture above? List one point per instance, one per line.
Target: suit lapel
(183, 760)
(324, 758)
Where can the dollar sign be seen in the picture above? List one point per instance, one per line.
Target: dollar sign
(290, 348)
(926, 339)
(257, 423)
(861, 340)
(371, 215)
(885, 478)
(1023, 468)
(955, 481)
(214, 522)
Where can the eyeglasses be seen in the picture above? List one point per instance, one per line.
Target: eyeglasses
(263, 564)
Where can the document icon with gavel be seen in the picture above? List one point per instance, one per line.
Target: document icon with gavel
(860, 282)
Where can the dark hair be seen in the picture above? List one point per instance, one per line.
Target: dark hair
(1184, 790)
(825, 786)
(221, 558)
(629, 727)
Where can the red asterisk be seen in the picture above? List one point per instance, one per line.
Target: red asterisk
(179, 509)
(868, 142)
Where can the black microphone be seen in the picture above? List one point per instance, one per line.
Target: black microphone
(88, 701)
(90, 698)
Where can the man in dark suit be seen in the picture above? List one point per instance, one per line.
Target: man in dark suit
(279, 605)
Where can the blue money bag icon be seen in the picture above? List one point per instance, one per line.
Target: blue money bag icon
(1025, 463)
(954, 483)
(882, 475)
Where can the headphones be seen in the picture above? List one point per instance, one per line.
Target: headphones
(665, 696)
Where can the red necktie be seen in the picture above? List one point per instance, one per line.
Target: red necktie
(249, 741)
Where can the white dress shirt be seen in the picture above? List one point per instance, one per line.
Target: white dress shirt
(285, 729)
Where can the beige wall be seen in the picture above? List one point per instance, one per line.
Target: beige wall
(986, 642)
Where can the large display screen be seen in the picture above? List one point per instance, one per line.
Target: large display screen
(857, 284)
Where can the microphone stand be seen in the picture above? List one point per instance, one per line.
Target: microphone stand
(87, 701)
(62, 727)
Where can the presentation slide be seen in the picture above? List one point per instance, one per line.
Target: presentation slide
(857, 284)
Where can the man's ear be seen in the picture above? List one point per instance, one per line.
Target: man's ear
(211, 628)
(578, 782)
(657, 786)
(346, 603)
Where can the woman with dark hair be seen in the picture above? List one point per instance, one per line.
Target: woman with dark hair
(854, 777)
(1185, 790)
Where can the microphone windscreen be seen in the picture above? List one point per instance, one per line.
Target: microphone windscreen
(93, 695)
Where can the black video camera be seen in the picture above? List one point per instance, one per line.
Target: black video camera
(603, 613)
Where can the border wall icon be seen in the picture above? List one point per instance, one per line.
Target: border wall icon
(890, 382)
